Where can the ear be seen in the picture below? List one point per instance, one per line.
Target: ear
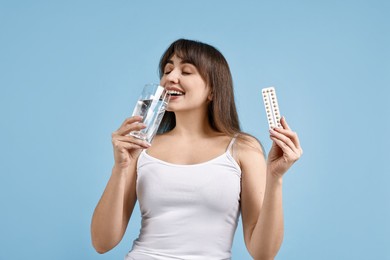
(210, 96)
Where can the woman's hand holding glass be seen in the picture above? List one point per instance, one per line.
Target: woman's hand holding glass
(126, 147)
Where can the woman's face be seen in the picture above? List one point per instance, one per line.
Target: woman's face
(187, 88)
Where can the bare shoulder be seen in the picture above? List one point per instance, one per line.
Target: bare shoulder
(248, 149)
(249, 144)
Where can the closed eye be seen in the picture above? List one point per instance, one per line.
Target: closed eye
(187, 69)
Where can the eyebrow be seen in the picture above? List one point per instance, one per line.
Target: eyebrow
(181, 62)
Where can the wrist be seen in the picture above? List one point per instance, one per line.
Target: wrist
(274, 178)
(120, 169)
(121, 166)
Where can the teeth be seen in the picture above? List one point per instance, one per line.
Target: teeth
(174, 92)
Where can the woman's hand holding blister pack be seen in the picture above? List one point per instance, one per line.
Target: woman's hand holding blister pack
(286, 149)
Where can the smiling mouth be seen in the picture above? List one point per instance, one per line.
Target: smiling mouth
(175, 93)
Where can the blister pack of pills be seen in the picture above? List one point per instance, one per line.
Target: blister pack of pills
(271, 107)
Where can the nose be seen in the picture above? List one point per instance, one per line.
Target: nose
(172, 77)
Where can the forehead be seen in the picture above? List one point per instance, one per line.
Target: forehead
(176, 60)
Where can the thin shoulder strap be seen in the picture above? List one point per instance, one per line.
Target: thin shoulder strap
(231, 144)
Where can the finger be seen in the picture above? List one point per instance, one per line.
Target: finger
(132, 146)
(130, 139)
(285, 139)
(135, 126)
(290, 134)
(284, 123)
(131, 120)
(288, 154)
(282, 145)
(125, 145)
(294, 152)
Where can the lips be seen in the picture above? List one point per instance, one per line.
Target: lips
(174, 92)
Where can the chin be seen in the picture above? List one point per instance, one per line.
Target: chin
(170, 109)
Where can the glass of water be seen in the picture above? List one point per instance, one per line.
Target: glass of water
(151, 105)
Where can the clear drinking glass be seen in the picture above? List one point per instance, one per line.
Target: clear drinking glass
(151, 105)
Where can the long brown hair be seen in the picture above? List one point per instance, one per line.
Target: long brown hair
(214, 70)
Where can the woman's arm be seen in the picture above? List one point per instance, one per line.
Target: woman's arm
(114, 209)
(112, 213)
(261, 196)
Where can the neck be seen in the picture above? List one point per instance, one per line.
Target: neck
(192, 124)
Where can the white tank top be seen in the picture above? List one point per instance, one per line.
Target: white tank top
(188, 211)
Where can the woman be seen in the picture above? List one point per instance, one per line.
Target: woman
(199, 173)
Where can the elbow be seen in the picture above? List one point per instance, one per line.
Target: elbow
(101, 246)
(263, 256)
(101, 249)
(267, 251)
(101, 242)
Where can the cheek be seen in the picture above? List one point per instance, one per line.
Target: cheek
(202, 97)
(162, 81)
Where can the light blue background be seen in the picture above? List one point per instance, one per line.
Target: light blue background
(72, 70)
